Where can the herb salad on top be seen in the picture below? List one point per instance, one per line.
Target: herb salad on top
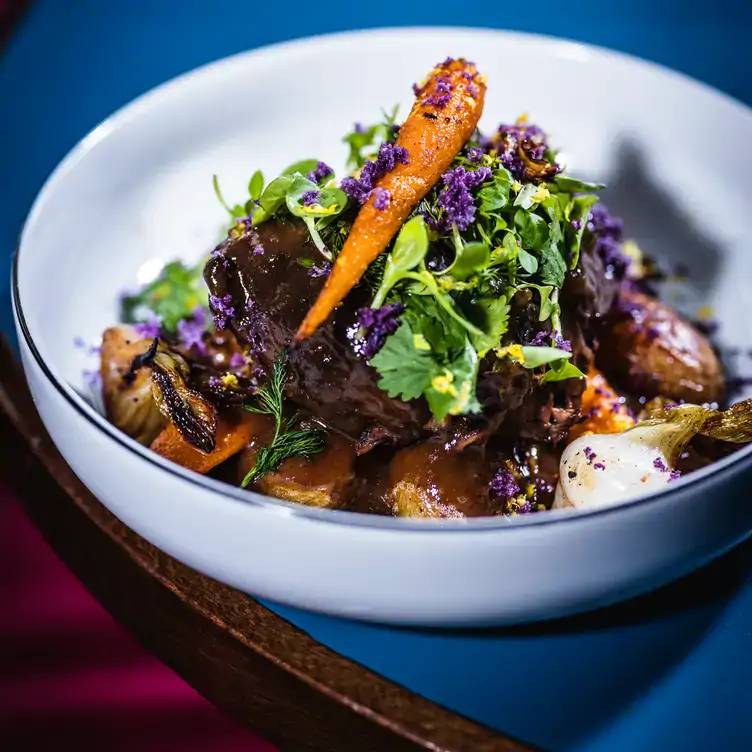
(455, 327)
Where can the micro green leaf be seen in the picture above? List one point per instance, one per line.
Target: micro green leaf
(535, 356)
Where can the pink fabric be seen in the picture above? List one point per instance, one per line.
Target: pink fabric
(71, 678)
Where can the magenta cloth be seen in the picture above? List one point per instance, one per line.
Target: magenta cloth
(71, 678)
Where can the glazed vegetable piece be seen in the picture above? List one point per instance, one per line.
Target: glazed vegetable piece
(191, 413)
(603, 409)
(444, 117)
(129, 403)
(651, 350)
(233, 432)
(323, 481)
(429, 480)
(605, 469)
(129, 366)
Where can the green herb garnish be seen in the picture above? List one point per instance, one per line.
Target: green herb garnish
(288, 440)
(173, 296)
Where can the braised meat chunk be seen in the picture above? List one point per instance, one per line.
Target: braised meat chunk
(269, 278)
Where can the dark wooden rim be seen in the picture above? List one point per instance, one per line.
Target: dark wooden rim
(253, 664)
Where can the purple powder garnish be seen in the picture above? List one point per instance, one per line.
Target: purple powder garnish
(455, 198)
(359, 189)
(590, 455)
(222, 310)
(218, 254)
(475, 155)
(557, 340)
(377, 325)
(442, 93)
(608, 232)
(320, 271)
(150, 328)
(576, 224)
(675, 475)
(599, 466)
(237, 361)
(310, 197)
(447, 62)
(503, 484)
(472, 91)
(659, 464)
(416, 90)
(381, 198)
(323, 170)
(191, 331)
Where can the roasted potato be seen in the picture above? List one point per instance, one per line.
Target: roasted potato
(323, 481)
(427, 480)
(129, 404)
(648, 349)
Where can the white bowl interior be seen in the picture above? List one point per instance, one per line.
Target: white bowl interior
(138, 190)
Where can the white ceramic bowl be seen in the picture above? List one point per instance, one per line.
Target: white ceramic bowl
(138, 189)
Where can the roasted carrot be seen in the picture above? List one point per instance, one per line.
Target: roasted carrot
(233, 434)
(446, 113)
(602, 407)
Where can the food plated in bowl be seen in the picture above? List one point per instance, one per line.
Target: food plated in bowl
(423, 337)
(457, 361)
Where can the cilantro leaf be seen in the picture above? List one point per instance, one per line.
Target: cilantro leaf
(406, 371)
(452, 392)
(492, 316)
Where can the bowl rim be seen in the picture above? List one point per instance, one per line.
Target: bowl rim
(232, 494)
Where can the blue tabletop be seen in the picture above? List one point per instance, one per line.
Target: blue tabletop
(672, 671)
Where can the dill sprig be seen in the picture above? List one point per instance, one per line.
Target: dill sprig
(288, 440)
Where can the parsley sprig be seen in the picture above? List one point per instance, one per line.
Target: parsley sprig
(288, 440)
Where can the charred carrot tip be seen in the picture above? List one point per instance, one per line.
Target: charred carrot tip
(446, 112)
